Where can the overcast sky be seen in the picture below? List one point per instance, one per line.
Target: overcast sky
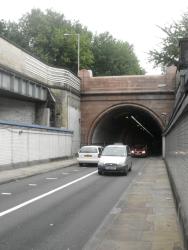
(134, 21)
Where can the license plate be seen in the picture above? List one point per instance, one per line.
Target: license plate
(110, 168)
(87, 155)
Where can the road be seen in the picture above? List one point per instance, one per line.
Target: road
(59, 210)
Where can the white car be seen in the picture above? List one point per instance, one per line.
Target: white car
(89, 154)
(115, 158)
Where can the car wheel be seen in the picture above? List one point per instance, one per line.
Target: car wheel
(130, 167)
(80, 164)
(126, 171)
(100, 172)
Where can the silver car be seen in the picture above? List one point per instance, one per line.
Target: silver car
(115, 158)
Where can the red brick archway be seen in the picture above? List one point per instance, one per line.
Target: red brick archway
(158, 120)
(154, 95)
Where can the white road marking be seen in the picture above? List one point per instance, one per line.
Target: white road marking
(51, 178)
(6, 193)
(116, 210)
(65, 173)
(10, 210)
(32, 184)
(76, 170)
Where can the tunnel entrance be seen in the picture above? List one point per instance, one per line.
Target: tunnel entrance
(131, 125)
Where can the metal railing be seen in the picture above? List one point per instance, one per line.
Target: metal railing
(51, 75)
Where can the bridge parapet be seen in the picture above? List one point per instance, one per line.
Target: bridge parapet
(18, 60)
(130, 83)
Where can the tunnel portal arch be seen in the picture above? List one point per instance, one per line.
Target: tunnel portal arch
(130, 124)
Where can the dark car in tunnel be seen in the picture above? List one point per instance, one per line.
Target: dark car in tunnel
(139, 151)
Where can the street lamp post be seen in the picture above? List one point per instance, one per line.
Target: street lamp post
(78, 47)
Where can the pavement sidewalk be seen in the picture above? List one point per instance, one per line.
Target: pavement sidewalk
(144, 218)
(19, 173)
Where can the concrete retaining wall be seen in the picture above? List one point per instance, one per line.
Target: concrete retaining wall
(177, 163)
(176, 152)
(17, 110)
(27, 144)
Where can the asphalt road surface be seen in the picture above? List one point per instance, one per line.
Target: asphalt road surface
(59, 210)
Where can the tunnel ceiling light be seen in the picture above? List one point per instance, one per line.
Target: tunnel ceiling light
(122, 115)
(141, 125)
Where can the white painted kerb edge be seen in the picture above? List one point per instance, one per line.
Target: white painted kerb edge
(10, 210)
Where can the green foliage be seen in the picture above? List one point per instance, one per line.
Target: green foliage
(2, 27)
(114, 57)
(45, 37)
(10, 31)
(42, 34)
(168, 54)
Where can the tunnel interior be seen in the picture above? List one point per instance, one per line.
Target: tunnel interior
(129, 125)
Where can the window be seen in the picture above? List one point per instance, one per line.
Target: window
(114, 151)
(88, 150)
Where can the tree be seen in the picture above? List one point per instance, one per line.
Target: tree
(112, 57)
(169, 51)
(9, 30)
(42, 34)
(2, 27)
(45, 36)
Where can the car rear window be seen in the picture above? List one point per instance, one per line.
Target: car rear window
(88, 150)
(114, 151)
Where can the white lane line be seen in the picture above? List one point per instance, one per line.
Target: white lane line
(51, 178)
(32, 184)
(65, 173)
(10, 210)
(6, 193)
(76, 170)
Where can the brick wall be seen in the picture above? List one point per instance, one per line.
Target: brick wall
(101, 94)
(128, 83)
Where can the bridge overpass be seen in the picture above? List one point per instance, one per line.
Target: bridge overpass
(128, 109)
(39, 108)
